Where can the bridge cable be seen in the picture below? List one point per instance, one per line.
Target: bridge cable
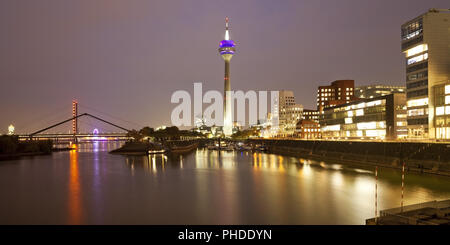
(109, 115)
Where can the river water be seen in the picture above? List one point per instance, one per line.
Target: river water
(91, 186)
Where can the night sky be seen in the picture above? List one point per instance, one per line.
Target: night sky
(123, 59)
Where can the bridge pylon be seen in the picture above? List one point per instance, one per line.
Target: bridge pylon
(74, 120)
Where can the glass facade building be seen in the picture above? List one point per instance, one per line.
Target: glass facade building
(425, 41)
(376, 90)
(442, 111)
(378, 118)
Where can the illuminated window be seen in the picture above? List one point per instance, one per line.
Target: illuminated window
(348, 120)
(447, 99)
(350, 113)
(360, 112)
(440, 111)
(418, 102)
(417, 59)
(375, 133)
(447, 89)
(447, 110)
(416, 50)
(416, 112)
(367, 125)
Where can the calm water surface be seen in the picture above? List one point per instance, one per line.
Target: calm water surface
(91, 186)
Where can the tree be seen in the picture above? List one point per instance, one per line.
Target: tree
(147, 131)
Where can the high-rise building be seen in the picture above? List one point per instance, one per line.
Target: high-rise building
(227, 50)
(376, 90)
(289, 113)
(425, 43)
(338, 93)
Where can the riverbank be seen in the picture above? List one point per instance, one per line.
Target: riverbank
(416, 156)
(12, 148)
(6, 157)
(144, 148)
(136, 148)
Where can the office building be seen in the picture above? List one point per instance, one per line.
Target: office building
(442, 111)
(308, 129)
(378, 118)
(377, 90)
(289, 113)
(311, 115)
(338, 93)
(425, 43)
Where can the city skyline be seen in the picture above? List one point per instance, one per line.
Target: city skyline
(120, 57)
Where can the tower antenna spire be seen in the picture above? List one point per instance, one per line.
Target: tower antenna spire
(227, 34)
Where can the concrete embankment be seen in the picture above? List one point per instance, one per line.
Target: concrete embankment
(432, 158)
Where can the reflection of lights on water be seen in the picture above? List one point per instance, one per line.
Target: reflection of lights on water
(281, 167)
(154, 164)
(336, 166)
(306, 170)
(337, 178)
(364, 185)
(95, 146)
(280, 159)
(181, 161)
(74, 190)
(362, 171)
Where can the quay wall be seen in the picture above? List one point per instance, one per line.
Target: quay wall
(432, 158)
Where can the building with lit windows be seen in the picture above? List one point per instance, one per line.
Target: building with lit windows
(312, 115)
(377, 90)
(289, 113)
(338, 93)
(425, 43)
(368, 119)
(442, 111)
(308, 129)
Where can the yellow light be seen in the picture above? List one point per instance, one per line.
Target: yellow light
(416, 50)
(367, 125)
(417, 102)
(11, 130)
(440, 111)
(360, 112)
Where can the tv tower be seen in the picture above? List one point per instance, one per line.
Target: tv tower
(226, 50)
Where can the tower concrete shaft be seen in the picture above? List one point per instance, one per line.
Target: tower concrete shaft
(227, 110)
